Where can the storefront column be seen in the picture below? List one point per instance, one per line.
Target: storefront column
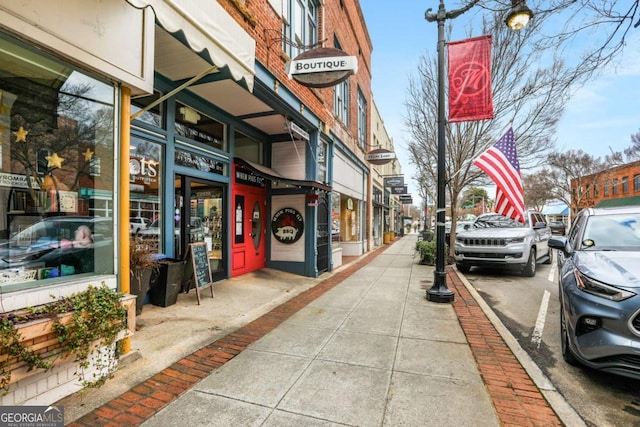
(123, 205)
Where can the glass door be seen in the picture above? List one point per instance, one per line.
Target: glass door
(199, 217)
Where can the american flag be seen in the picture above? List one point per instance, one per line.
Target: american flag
(500, 162)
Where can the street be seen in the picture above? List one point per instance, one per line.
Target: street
(529, 308)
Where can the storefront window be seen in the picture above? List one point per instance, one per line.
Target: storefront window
(56, 170)
(153, 116)
(145, 191)
(335, 216)
(199, 127)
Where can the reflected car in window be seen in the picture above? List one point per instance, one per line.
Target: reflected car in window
(599, 287)
(67, 243)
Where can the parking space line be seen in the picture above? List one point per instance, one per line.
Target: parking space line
(536, 337)
(552, 270)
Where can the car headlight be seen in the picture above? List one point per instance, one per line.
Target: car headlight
(599, 289)
(514, 240)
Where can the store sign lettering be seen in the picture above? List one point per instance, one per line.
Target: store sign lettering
(287, 225)
(249, 178)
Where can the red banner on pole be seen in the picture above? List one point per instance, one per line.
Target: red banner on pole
(470, 79)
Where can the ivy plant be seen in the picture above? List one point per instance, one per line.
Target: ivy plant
(98, 316)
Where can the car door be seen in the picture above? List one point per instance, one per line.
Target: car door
(543, 234)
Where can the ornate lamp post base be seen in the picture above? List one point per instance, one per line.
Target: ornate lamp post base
(439, 291)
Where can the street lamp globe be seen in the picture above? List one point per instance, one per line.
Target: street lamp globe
(519, 15)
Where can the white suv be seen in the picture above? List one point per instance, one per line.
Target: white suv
(498, 241)
(138, 223)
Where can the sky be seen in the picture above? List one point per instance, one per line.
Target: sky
(601, 116)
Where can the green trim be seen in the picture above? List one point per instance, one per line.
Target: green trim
(615, 203)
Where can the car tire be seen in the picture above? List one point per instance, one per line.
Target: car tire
(463, 268)
(567, 354)
(529, 269)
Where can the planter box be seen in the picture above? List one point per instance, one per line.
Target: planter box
(40, 337)
(166, 286)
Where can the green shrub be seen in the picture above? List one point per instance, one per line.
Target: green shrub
(427, 251)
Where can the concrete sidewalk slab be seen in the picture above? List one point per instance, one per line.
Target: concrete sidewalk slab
(361, 347)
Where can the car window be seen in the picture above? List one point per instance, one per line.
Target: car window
(612, 232)
(496, 220)
(576, 230)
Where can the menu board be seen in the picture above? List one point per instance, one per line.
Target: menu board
(200, 268)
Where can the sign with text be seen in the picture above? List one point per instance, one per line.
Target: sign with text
(322, 67)
(381, 156)
(200, 269)
(395, 181)
(399, 190)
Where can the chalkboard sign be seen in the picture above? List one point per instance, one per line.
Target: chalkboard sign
(200, 268)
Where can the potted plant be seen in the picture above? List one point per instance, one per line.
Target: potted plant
(167, 283)
(142, 264)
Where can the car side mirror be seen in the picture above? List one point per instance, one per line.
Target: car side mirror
(559, 243)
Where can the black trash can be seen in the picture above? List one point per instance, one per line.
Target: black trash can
(166, 285)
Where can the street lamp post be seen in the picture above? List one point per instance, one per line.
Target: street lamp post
(517, 18)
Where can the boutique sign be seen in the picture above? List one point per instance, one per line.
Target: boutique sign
(322, 67)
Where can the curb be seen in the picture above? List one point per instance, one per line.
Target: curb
(562, 408)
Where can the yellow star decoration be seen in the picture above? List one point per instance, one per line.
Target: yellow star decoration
(21, 134)
(54, 161)
(88, 155)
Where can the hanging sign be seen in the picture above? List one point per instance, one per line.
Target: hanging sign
(380, 156)
(396, 181)
(322, 67)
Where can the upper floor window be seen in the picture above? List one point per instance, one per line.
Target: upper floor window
(362, 120)
(299, 26)
(625, 185)
(636, 183)
(614, 187)
(605, 189)
(595, 189)
(341, 97)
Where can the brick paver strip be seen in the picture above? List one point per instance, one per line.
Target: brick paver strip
(517, 400)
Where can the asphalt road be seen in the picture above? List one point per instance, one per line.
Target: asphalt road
(529, 308)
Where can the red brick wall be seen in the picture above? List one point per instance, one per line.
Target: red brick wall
(343, 18)
(582, 189)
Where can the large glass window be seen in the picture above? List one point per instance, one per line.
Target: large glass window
(56, 170)
(145, 179)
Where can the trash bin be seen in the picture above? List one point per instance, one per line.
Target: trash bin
(166, 284)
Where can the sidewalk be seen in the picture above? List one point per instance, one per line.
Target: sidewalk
(361, 347)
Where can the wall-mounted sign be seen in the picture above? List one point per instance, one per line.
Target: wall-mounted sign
(287, 225)
(399, 190)
(380, 156)
(395, 181)
(322, 67)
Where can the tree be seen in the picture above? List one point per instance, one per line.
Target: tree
(538, 188)
(525, 94)
(573, 166)
(473, 196)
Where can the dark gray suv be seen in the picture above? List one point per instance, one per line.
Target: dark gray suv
(498, 241)
(599, 284)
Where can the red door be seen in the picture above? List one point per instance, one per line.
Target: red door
(248, 246)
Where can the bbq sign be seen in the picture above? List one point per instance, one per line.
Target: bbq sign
(322, 67)
(287, 225)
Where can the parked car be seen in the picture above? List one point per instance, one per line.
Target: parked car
(599, 284)
(460, 226)
(138, 223)
(498, 241)
(557, 227)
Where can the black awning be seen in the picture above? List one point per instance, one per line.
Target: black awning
(272, 175)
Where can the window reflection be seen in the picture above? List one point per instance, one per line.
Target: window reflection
(199, 127)
(56, 170)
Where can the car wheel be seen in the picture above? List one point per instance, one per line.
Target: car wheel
(529, 269)
(567, 355)
(463, 268)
